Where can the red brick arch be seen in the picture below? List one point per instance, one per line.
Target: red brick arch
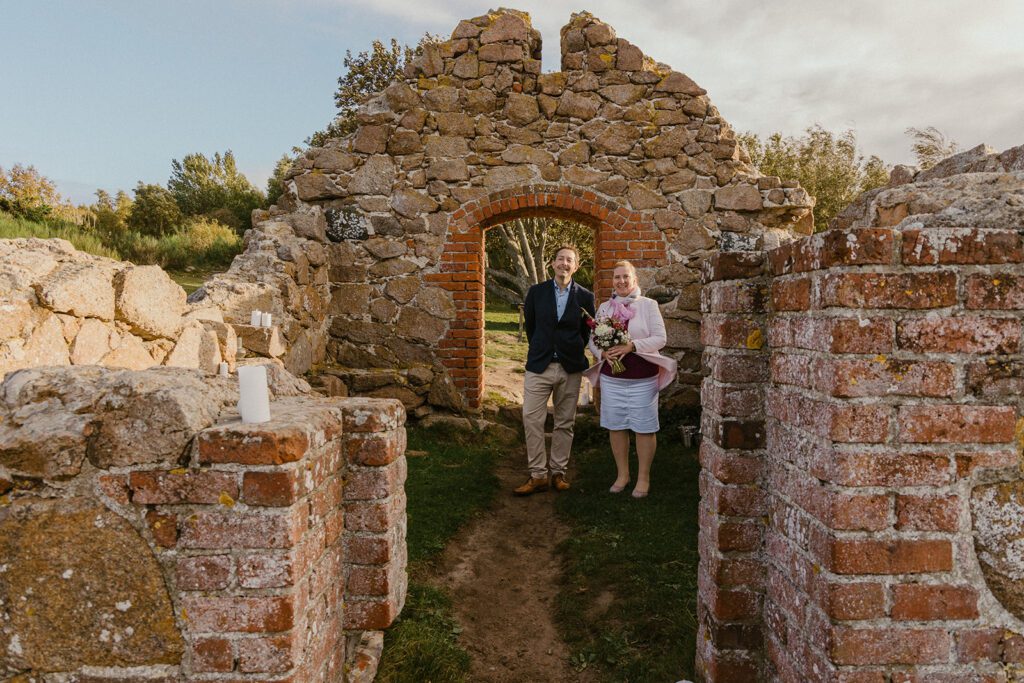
(619, 233)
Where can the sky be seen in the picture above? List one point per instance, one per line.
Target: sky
(105, 93)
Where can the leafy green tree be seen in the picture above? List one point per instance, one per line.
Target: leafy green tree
(154, 211)
(828, 165)
(365, 75)
(26, 192)
(931, 146)
(202, 186)
(275, 185)
(111, 213)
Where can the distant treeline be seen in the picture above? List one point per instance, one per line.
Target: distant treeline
(197, 220)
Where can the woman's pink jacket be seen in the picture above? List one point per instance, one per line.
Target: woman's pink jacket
(647, 331)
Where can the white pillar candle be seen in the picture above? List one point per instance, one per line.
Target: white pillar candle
(253, 396)
(222, 370)
(254, 319)
(265, 321)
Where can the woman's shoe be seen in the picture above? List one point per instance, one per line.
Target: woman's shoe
(618, 489)
(637, 493)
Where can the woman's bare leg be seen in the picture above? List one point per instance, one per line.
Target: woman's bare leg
(645, 447)
(620, 451)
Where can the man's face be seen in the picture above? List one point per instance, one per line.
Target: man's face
(565, 264)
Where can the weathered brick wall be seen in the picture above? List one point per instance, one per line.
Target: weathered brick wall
(266, 549)
(731, 579)
(875, 516)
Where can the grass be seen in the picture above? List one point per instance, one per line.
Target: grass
(500, 316)
(200, 244)
(12, 227)
(628, 609)
(192, 280)
(445, 490)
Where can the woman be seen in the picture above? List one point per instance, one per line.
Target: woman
(629, 399)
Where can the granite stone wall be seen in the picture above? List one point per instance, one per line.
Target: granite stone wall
(474, 135)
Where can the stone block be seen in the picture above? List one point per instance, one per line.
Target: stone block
(56, 553)
(80, 289)
(265, 341)
(149, 301)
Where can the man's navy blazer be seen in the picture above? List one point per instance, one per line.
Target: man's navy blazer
(549, 335)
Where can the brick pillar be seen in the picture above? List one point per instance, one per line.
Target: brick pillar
(375, 523)
(461, 272)
(886, 399)
(255, 537)
(731, 577)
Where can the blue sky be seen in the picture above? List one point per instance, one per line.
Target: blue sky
(105, 93)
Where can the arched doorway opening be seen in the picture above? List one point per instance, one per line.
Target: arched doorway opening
(517, 255)
(618, 233)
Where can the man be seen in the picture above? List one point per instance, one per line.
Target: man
(558, 334)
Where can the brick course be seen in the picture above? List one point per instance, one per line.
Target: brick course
(280, 542)
(833, 518)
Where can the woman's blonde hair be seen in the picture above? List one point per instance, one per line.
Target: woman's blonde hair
(627, 265)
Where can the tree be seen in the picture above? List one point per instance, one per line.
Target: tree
(275, 184)
(202, 186)
(931, 146)
(111, 213)
(519, 252)
(154, 211)
(828, 165)
(26, 192)
(365, 75)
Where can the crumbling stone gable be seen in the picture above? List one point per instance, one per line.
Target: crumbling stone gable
(475, 135)
(861, 494)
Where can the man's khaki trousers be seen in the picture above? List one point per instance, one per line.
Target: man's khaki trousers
(564, 390)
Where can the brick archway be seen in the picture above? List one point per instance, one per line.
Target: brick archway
(619, 233)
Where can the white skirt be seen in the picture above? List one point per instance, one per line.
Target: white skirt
(629, 404)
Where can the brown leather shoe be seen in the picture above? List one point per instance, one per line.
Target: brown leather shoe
(559, 483)
(532, 486)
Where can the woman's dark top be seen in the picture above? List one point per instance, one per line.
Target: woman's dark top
(637, 367)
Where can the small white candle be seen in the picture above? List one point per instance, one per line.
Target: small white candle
(222, 370)
(265, 321)
(254, 319)
(253, 396)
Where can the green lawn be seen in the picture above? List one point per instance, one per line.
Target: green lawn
(628, 608)
(445, 490)
(500, 316)
(190, 281)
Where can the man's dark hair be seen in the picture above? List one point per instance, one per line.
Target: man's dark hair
(570, 247)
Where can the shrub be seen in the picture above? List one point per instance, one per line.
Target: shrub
(199, 243)
(138, 248)
(205, 242)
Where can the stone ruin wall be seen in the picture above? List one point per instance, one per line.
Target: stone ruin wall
(475, 135)
(147, 535)
(862, 505)
(59, 306)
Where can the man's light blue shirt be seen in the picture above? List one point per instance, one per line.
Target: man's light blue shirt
(561, 298)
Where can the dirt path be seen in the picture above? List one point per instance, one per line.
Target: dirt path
(504, 575)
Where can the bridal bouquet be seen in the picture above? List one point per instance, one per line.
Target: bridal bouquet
(608, 331)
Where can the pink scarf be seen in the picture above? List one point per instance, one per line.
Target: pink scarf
(619, 306)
